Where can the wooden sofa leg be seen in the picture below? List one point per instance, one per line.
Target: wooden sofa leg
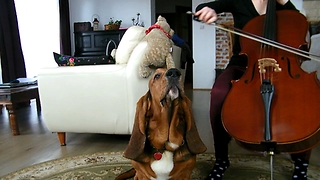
(62, 138)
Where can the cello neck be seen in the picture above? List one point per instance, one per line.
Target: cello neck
(270, 27)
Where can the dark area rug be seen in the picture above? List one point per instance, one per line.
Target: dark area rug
(106, 166)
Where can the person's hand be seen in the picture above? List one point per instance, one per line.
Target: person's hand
(206, 15)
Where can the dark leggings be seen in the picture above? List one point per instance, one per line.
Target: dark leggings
(219, 92)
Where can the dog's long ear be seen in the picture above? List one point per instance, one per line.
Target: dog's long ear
(193, 139)
(138, 137)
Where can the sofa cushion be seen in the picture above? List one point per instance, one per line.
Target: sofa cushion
(128, 42)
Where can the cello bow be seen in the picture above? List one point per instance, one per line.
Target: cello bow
(260, 39)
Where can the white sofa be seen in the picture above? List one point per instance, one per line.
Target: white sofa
(96, 98)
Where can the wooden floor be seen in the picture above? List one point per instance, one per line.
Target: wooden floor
(36, 144)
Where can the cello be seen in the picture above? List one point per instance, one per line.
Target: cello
(279, 102)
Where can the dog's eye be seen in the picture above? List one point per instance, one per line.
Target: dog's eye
(156, 76)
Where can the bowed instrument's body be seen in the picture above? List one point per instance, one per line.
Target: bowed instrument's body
(274, 106)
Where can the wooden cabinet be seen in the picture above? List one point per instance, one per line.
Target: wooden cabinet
(94, 43)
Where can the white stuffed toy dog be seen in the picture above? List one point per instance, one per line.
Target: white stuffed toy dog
(159, 50)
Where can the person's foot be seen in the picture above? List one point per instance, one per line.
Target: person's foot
(300, 170)
(220, 166)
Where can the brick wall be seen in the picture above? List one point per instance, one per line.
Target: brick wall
(223, 42)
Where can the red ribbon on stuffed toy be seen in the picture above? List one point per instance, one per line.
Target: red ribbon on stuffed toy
(157, 26)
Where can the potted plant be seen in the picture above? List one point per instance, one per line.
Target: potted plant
(113, 24)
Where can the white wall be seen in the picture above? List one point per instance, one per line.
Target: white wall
(299, 5)
(83, 11)
(204, 53)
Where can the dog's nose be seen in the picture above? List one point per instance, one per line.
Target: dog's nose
(173, 73)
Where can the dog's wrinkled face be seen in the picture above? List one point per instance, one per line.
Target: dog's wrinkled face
(166, 90)
(168, 83)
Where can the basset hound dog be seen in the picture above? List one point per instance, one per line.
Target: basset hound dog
(164, 141)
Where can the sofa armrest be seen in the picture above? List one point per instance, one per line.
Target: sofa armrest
(87, 99)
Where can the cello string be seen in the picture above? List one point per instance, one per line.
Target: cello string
(263, 74)
(269, 33)
(270, 28)
(278, 45)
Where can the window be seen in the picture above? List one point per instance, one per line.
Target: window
(39, 33)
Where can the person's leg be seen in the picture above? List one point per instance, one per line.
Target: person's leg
(219, 92)
(301, 163)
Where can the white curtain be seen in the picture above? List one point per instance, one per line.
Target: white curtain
(39, 33)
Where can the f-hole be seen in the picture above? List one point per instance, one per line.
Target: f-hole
(291, 74)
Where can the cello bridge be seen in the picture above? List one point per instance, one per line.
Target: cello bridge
(268, 62)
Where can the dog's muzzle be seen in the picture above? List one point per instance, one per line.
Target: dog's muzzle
(173, 77)
(173, 74)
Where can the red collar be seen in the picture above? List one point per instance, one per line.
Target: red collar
(158, 27)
